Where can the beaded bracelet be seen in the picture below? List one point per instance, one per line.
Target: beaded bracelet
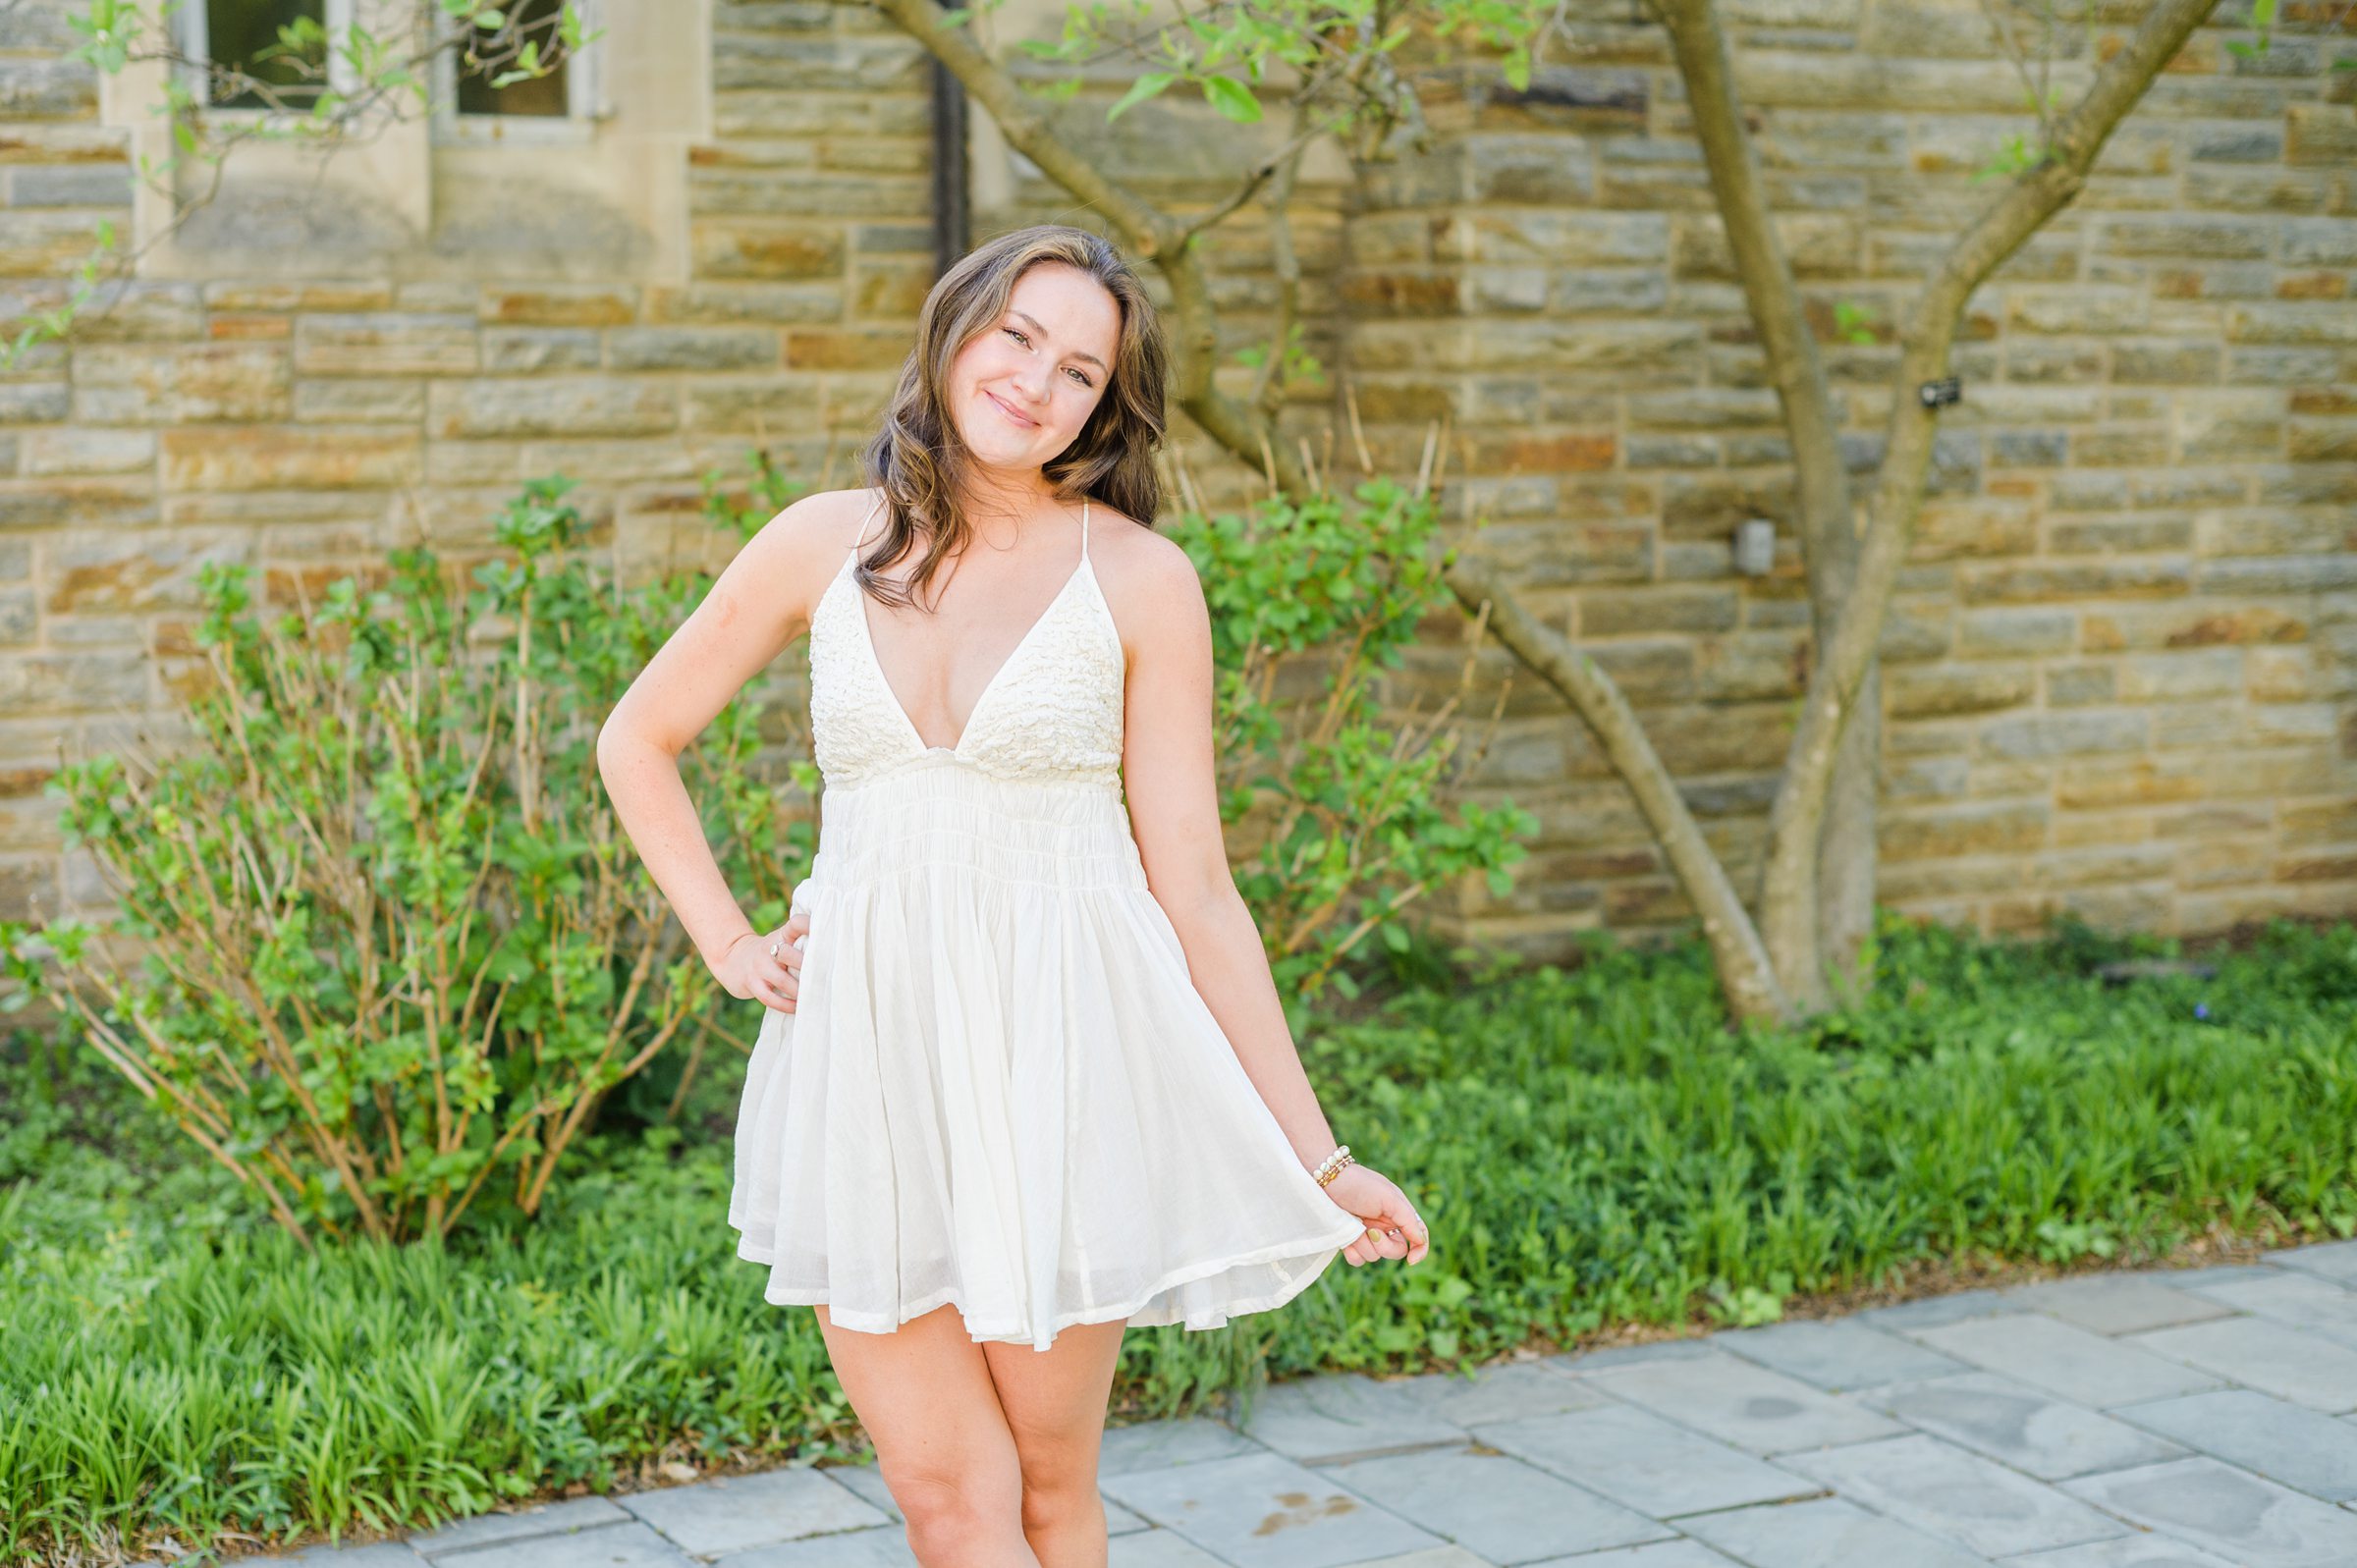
(1331, 1165)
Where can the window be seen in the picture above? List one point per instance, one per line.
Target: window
(245, 35)
(557, 106)
(535, 23)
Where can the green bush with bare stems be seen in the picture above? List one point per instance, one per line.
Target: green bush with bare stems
(1348, 812)
(381, 942)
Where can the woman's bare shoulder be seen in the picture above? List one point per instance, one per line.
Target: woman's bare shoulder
(819, 521)
(1150, 581)
(792, 557)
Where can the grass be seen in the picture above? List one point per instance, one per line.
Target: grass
(1592, 1149)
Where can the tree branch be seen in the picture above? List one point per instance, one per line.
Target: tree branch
(2034, 197)
(1745, 976)
(1821, 491)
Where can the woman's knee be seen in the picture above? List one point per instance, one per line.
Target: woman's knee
(924, 1395)
(1062, 1501)
(946, 1503)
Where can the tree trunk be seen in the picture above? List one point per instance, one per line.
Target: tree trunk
(1846, 850)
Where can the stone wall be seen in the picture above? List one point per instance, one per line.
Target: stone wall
(2117, 674)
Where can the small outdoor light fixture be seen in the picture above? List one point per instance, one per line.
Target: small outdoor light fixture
(1755, 545)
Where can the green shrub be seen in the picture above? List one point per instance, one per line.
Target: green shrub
(1345, 818)
(391, 941)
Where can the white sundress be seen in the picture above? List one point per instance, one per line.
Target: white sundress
(998, 1087)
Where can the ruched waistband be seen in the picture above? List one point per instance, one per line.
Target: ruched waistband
(940, 810)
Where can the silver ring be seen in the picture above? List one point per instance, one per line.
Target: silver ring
(773, 950)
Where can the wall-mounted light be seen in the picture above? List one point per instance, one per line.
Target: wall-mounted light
(1755, 545)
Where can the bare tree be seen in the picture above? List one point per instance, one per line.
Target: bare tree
(1816, 893)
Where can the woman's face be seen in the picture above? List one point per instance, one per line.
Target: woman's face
(1023, 389)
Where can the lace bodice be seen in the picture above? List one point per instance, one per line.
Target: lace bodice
(1051, 713)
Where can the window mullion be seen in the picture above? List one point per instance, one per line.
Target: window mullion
(338, 20)
(197, 43)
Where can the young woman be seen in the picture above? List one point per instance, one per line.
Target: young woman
(1024, 1077)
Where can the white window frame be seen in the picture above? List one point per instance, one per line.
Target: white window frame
(194, 23)
(584, 104)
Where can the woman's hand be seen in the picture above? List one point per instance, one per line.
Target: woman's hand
(749, 973)
(1394, 1228)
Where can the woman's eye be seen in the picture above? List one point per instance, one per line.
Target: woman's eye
(1026, 343)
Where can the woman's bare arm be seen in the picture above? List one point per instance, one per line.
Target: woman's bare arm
(1169, 772)
(760, 603)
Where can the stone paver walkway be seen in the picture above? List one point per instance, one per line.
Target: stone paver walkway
(2186, 1419)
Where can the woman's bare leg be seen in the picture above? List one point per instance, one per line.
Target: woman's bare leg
(925, 1397)
(1055, 1402)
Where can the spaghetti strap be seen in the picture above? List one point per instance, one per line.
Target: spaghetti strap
(862, 538)
(1084, 527)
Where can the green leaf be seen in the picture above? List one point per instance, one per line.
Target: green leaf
(1232, 98)
(1146, 86)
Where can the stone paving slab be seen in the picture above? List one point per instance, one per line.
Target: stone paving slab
(1643, 1462)
(1496, 1505)
(1957, 1496)
(1344, 1415)
(631, 1546)
(1666, 1554)
(2064, 1359)
(1741, 1404)
(1185, 1440)
(734, 1512)
(2335, 1261)
(884, 1548)
(1265, 1511)
(1838, 1356)
(1160, 1549)
(1630, 1355)
(2286, 1444)
(2172, 1419)
(2304, 1301)
(1502, 1394)
(2123, 1551)
(2230, 1512)
(1936, 1311)
(2022, 1426)
(2274, 1359)
(1826, 1529)
(538, 1519)
(2116, 1304)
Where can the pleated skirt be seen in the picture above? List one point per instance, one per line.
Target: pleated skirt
(1000, 1089)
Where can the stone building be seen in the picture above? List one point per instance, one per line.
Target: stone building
(2117, 675)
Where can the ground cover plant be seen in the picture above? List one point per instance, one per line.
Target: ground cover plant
(1592, 1146)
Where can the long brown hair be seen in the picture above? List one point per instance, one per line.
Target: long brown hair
(917, 457)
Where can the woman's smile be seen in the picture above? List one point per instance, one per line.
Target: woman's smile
(1009, 411)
